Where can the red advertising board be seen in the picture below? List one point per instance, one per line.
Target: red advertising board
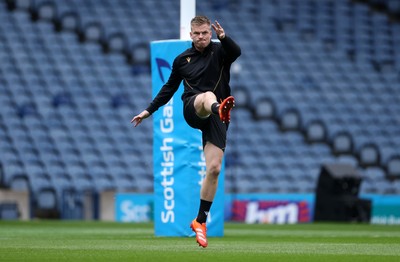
(271, 212)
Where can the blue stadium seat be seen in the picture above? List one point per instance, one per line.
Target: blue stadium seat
(9, 211)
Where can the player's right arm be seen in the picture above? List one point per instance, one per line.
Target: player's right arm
(136, 120)
(163, 96)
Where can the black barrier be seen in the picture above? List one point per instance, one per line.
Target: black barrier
(337, 195)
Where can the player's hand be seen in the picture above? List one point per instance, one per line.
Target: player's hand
(136, 120)
(218, 30)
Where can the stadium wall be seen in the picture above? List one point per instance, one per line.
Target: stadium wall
(261, 208)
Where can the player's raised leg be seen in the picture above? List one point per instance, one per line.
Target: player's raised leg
(206, 104)
(203, 104)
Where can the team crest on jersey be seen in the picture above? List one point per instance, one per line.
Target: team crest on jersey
(188, 59)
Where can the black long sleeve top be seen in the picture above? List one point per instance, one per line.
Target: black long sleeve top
(200, 71)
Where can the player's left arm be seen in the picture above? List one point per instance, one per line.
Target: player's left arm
(232, 49)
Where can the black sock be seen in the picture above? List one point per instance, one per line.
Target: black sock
(215, 107)
(203, 211)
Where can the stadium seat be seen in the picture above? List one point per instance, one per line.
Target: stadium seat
(264, 108)
(67, 21)
(91, 32)
(316, 132)
(22, 4)
(9, 211)
(290, 120)
(242, 97)
(393, 167)
(369, 155)
(11, 170)
(139, 55)
(342, 143)
(45, 10)
(19, 183)
(116, 42)
(46, 199)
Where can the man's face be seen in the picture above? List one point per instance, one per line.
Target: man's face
(201, 36)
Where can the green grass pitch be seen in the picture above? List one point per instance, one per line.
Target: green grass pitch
(107, 241)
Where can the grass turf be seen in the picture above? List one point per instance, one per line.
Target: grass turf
(106, 241)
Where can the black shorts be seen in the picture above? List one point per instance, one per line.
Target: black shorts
(212, 128)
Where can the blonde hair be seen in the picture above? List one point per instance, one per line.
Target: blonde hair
(200, 20)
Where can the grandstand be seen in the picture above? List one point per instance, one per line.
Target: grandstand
(318, 82)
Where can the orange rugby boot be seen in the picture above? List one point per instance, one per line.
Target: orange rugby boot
(201, 233)
(225, 109)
